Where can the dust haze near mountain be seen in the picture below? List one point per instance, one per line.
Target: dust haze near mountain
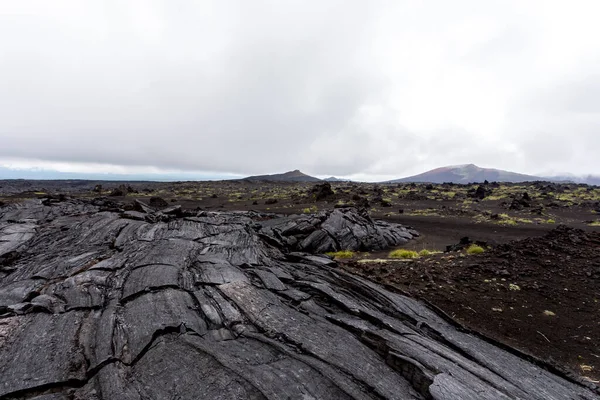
(373, 91)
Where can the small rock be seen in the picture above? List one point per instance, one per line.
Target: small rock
(159, 202)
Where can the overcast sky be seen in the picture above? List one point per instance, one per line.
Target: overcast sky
(363, 89)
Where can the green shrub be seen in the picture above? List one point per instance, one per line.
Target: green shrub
(402, 253)
(341, 254)
(475, 249)
(550, 221)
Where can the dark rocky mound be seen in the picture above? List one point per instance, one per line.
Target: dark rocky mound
(290, 176)
(321, 191)
(97, 306)
(158, 202)
(519, 202)
(480, 193)
(122, 190)
(340, 229)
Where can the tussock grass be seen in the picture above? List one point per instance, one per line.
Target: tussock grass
(341, 254)
(426, 253)
(475, 249)
(402, 253)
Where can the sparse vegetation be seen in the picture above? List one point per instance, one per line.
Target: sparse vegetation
(341, 254)
(510, 222)
(475, 249)
(423, 212)
(403, 253)
(505, 219)
(427, 253)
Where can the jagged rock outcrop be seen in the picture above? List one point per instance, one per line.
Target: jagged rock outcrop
(340, 229)
(97, 306)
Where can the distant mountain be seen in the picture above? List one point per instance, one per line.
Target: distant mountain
(593, 180)
(291, 176)
(334, 179)
(466, 174)
(587, 179)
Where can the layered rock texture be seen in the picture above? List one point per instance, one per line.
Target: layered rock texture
(163, 305)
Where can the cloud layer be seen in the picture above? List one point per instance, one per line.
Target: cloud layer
(348, 88)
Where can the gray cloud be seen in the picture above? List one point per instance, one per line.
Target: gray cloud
(333, 88)
(557, 127)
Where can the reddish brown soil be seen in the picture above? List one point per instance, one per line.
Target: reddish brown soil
(559, 272)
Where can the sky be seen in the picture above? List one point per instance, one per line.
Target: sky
(368, 90)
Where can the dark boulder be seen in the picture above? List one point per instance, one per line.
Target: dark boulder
(519, 202)
(539, 210)
(158, 202)
(465, 242)
(360, 202)
(121, 190)
(321, 191)
(117, 192)
(480, 193)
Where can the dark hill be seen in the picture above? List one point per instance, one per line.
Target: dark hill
(334, 179)
(466, 174)
(291, 176)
